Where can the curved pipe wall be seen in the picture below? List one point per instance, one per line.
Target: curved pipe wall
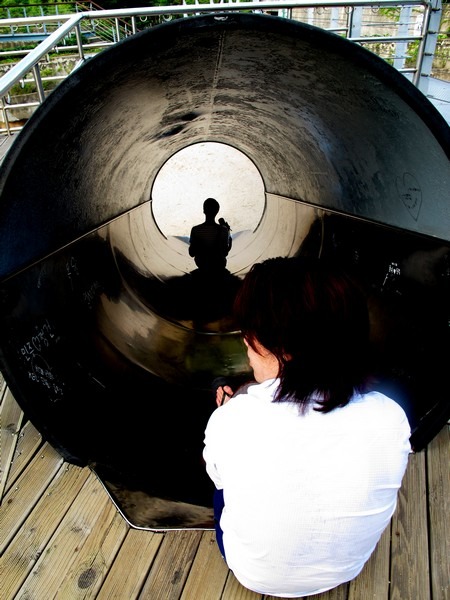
(97, 306)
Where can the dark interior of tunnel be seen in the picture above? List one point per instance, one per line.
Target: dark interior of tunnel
(109, 342)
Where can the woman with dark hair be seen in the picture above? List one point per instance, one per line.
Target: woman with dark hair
(307, 461)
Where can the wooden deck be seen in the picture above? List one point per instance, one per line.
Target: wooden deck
(62, 537)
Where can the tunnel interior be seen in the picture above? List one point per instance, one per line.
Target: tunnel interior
(109, 337)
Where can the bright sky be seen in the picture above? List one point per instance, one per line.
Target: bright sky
(204, 170)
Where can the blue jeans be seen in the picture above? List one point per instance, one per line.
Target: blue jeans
(218, 505)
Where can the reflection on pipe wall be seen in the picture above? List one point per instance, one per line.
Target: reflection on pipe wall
(109, 340)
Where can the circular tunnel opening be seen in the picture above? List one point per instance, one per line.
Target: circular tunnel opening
(150, 245)
(200, 171)
(102, 340)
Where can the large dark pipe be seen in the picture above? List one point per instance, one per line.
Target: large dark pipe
(107, 341)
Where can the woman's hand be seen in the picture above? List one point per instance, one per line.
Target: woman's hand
(223, 394)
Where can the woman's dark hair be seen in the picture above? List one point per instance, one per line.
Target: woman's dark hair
(313, 317)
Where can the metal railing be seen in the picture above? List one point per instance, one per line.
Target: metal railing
(94, 30)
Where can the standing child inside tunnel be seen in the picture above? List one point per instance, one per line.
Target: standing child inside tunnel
(210, 242)
(307, 461)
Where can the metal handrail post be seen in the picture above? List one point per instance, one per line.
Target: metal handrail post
(44, 25)
(349, 21)
(420, 53)
(79, 40)
(402, 30)
(38, 80)
(5, 115)
(356, 21)
(427, 48)
(24, 10)
(117, 29)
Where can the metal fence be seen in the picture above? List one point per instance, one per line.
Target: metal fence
(404, 33)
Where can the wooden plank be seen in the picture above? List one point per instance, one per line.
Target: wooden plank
(410, 575)
(21, 499)
(49, 572)
(11, 416)
(131, 565)
(373, 581)
(438, 453)
(29, 543)
(235, 591)
(338, 593)
(94, 559)
(28, 443)
(171, 566)
(207, 560)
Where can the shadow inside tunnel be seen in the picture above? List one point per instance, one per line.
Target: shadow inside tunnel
(205, 298)
(200, 300)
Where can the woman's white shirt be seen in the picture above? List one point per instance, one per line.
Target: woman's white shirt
(307, 496)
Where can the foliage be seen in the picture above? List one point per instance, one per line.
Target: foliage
(412, 53)
(31, 8)
(26, 88)
(14, 9)
(112, 4)
(390, 12)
